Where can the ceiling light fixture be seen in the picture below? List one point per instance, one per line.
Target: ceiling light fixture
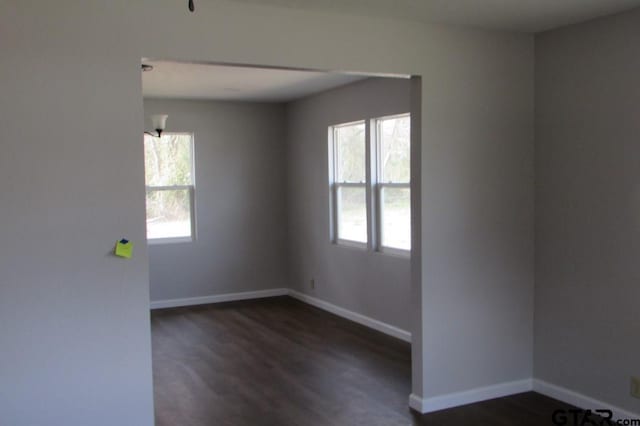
(159, 123)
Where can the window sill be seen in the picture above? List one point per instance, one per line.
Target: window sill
(176, 240)
(351, 245)
(388, 251)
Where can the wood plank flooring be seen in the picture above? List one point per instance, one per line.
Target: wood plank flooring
(280, 362)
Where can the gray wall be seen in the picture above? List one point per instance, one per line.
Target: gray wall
(370, 283)
(477, 215)
(74, 319)
(240, 201)
(76, 323)
(588, 208)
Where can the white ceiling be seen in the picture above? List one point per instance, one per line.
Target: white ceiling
(512, 15)
(177, 80)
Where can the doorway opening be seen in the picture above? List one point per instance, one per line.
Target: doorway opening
(291, 184)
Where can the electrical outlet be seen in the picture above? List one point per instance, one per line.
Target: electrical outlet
(312, 283)
(635, 387)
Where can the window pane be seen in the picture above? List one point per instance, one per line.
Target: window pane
(395, 137)
(396, 218)
(168, 213)
(352, 214)
(350, 146)
(168, 160)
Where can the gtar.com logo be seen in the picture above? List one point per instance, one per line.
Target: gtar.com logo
(576, 417)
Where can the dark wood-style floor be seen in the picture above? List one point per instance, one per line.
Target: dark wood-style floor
(280, 362)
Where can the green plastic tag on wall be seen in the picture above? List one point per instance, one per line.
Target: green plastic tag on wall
(124, 248)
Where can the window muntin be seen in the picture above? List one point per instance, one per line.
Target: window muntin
(348, 179)
(170, 187)
(393, 187)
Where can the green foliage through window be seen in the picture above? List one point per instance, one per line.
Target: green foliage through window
(168, 160)
(169, 180)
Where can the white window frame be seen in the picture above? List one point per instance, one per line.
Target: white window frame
(335, 186)
(373, 185)
(192, 199)
(380, 185)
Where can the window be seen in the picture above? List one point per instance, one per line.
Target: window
(170, 187)
(370, 183)
(393, 137)
(348, 183)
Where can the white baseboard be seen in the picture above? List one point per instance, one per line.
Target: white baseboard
(580, 400)
(318, 303)
(428, 405)
(353, 316)
(229, 297)
(416, 403)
